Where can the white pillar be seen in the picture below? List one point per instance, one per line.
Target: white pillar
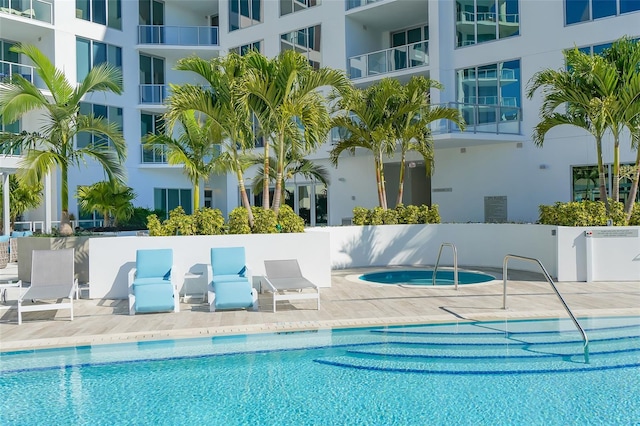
(5, 204)
(47, 203)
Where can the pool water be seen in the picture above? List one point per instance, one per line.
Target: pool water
(425, 277)
(515, 372)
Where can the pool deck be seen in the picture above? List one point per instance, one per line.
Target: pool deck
(347, 303)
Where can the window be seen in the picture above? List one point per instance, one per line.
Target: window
(110, 113)
(245, 48)
(152, 124)
(308, 200)
(490, 93)
(291, 6)
(244, 13)
(152, 87)
(90, 53)
(167, 199)
(585, 184)
(479, 21)
(305, 41)
(576, 11)
(104, 12)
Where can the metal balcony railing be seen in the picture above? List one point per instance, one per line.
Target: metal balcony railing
(389, 60)
(352, 4)
(153, 93)
(155, 154)
(511, 18)
(8, 69)
(39, 10)
(482, 118)
(178, 36)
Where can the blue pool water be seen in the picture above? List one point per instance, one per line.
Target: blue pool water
(493, 373)
(425, 277)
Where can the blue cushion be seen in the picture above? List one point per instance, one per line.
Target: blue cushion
(152, 280)
(153, 297)
(228, 278)
(4, 238)
(228, 261)
(16, 234)
(233, 294)
(154, 263)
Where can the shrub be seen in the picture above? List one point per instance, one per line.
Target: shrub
(289, 221)
(375, 216)
(390, 217)
(239, 221)
(407, 214)
(264, 221)
(360, 216)
(635, 215)
(155, 226)
(585, 213)
(434, 214)
(423, 214)
(208, 221)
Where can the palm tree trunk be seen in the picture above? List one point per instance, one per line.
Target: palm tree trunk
(378, 181)
(381, 185)
(244, 196)
(265, 168)
(196, 195)
(277, 193)
(615, 191)
(401, 184)
(628, 207)
(601, 175)
(65, 223)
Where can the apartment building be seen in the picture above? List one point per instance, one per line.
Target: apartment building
(484, 52)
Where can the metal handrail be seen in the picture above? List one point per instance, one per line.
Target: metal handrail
(555, 289)
(455, 265)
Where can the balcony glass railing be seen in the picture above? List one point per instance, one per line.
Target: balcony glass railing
(389, 60)
(153, 93)
(512, 18)
(482, 118)
(178, 36)
(8, 69)
(33, 9)
(352, 4)
(155, 154)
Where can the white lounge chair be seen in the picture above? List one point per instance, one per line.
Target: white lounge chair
(285, 280)
(52, 277)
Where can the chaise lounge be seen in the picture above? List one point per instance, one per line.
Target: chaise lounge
(152, 283)
(230, 281)
(285, 280)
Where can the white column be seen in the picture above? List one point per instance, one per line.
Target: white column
(47, 203)
(5, 204)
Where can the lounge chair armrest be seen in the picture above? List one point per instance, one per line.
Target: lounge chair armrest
(248, 273)
(209, 274)
(270, 286)
(131, 276)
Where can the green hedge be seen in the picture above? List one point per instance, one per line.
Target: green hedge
(587, 213)
(400, 215)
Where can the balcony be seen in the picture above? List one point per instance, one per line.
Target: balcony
(389, 60)
(153, 94)
(164, 35)
(31, 9)
(156, 154)
(8, 69)
(482, 118)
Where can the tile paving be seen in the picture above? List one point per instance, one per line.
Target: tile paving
(347, 303)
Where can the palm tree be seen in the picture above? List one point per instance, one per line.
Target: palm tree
(284, 94)
(411, 123)
(193, 148)
(220, 103)
(111, 199)
(22, 197)
(53, 145)
(582, 89)
(367, 116)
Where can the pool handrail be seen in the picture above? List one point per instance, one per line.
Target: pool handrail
(455, 265)
(555, 289)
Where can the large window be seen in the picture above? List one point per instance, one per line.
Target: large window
(479, 21)
(244, 13)
(308, 200)
(491, 93)
(104, 12)
(585, 184)
(167, 199)
(576, 11)
(110, 113)
(291, 6)
(305, 41)
(152, 83)
(90, 53)
(246, 48)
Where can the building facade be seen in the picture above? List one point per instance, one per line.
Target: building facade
(484, 52)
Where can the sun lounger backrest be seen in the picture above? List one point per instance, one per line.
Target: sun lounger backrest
(52, 267)
(287, 268)
(228, 261)
(154, 263)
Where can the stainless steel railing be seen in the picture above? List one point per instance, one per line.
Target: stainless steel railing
(455, 265)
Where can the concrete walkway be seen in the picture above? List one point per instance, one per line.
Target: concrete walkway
(348, 303)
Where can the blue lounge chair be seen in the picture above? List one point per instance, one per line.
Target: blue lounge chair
(230, 282)
(152, 286)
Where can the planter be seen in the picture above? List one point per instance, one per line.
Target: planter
(80, 244)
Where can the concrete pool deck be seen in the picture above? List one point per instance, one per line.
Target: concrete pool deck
(347, 303)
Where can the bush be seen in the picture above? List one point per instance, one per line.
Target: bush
(390, 217)
(434, 214)
(375, 216)
(205, 221)
(208, 221)
(407, 214)
(289, 221)
(138, 219)
(264, 221)
(586, 213)
(239, 221)
(360, 216)
(400, 215)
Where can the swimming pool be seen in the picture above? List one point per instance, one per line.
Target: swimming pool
(425, 277)
(515, 372)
